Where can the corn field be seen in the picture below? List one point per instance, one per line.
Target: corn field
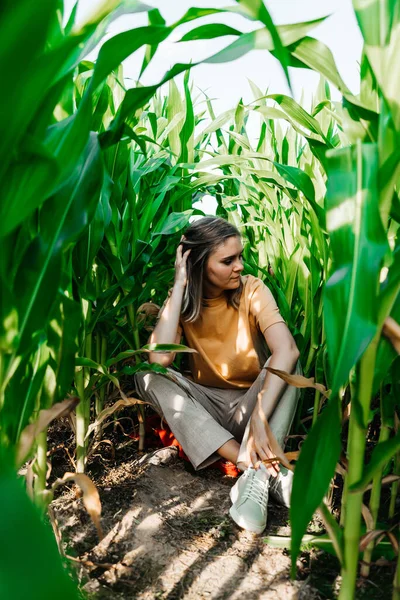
(99, 180)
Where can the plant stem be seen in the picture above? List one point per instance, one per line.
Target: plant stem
(345, 477)
(356, 450)
(80, 422)
(374, 502)
(86, 377)
(316, 406)
(396, 581)
(102, 392)
(131, 317)
(395, 487)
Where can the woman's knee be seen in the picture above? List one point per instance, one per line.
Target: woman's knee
(142, 380)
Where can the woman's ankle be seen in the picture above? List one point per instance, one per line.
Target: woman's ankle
(242, 466)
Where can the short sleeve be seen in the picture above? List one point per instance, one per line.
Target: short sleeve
(263, 306)
(160, 312)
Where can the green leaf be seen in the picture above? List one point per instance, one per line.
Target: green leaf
(381, 455)
(30, 181)
(297, 112)
(258, 10)
(137, 97)
(358, 245)
(30, 541)
(63, 218)
(167, 348)
(155, 18)
(298, 178)
(379, 22)
(119, 47)
(35, 289)
(313, 54)
(62, 335)
(154, 367)
(174, 223)
(82, 361)
(317, 461)
(23, 32)
(209, 32)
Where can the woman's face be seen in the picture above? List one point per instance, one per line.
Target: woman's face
(224, 266)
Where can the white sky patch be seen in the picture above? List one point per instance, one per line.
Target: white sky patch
(227, 83)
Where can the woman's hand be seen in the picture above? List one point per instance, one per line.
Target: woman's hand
(259, 446)
(180, 266)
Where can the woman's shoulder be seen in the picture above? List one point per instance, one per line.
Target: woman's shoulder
(251, 284)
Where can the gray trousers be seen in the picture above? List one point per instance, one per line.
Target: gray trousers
(204, 418)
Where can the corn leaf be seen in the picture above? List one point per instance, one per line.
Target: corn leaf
(30, 541)
(358, 244)
(381, 455)
(317, 462)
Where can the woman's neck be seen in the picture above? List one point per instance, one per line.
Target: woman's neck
(211, 291)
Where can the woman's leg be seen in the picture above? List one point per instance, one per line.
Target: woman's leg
(230, 450)
(190, 414)
(280, 421)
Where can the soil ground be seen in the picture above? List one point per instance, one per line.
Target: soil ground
(168, 535)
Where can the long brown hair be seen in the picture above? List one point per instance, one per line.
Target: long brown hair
(203, 237)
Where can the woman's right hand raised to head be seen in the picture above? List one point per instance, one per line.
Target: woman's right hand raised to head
(180, 266)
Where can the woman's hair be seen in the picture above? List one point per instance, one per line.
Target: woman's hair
(202, 238)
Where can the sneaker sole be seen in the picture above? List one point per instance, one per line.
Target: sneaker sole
(239, 520)
(234, 493)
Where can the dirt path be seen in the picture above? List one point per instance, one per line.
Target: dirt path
(169, 536)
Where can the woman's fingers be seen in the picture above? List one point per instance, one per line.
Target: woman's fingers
(179, 254)
(262, 454)
(254, 458)
(273, 468)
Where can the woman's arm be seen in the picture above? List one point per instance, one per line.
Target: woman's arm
(284, 356)
(166, 330)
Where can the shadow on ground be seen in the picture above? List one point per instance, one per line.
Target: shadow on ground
(169, 536)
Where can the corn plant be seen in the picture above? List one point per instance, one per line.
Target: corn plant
(98, 180)
(351, 230)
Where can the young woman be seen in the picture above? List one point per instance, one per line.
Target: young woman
(233, 323)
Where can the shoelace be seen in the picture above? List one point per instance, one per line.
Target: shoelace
(256, 490)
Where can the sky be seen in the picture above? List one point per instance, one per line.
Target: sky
(227, 83)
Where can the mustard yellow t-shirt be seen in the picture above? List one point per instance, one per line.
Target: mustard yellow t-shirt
(226, 338)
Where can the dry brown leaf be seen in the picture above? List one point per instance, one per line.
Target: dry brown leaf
(391, 330)
(279, 455)
(90, 496)
(367, 538)
(123, 403)
(44, 418)
(300, 381)
(288, 455)
(29, 478)
(149, 309)
(385, 481)
(368, 518)
(340, 469)
(393, 541)
(346, 413)
(396, 422)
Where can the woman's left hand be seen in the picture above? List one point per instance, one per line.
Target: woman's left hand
(259, 447)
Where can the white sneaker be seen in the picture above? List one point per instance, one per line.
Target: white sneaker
(249, 496)
(281, 487)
